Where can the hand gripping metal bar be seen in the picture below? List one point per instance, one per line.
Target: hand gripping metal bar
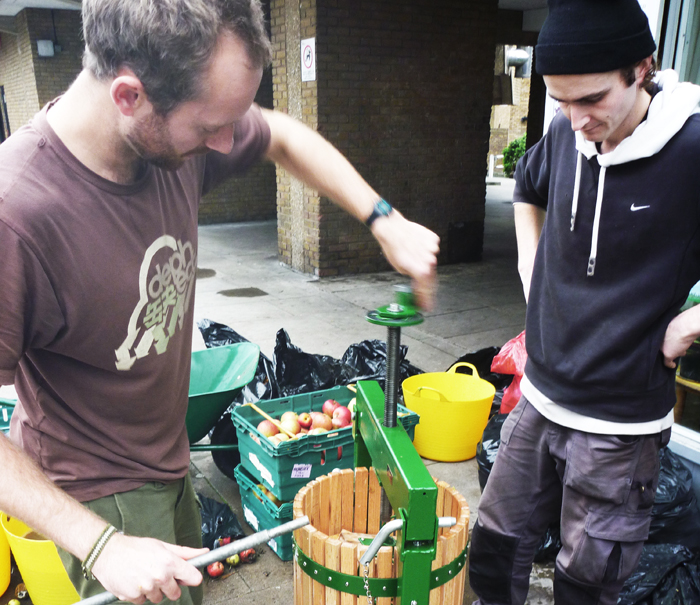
(219, 554)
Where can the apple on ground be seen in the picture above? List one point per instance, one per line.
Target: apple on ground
(329, 406)
(304, 420)
(267, 428)
(215, 569)
(342, 416)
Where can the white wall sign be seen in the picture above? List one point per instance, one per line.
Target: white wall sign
(308, 60)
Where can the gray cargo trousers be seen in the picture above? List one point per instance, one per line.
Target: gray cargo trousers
(599, 487)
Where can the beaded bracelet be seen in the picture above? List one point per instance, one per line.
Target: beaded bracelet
(96, 550)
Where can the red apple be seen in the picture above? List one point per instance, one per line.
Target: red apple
(329, 406)
(317, 431)
(342, 416)
(304, 420)
(267, 428)
(215, 569)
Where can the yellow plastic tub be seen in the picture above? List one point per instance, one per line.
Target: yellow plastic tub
(42, 570)
(453, 409)
(5, 569)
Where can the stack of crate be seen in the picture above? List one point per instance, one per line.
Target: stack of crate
(270, 475)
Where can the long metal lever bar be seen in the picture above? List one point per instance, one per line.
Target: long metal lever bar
(219, 554)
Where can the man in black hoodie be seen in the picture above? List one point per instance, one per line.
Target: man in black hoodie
(605, 275)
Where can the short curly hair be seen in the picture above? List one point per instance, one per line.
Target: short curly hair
(168, 43)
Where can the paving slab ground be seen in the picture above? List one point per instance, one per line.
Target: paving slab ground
(241, 284)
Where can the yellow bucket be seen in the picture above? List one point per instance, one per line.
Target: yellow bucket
(42, 570)
(5, 567)
(453, 409)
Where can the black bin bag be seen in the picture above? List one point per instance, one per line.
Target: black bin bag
(218, 521)
(675, 518)
(667, 574)
(292, 372)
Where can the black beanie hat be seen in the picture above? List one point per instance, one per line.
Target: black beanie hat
(592, 36)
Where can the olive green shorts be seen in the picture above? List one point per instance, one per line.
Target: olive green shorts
(168, 512)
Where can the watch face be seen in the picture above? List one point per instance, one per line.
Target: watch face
(383, 207)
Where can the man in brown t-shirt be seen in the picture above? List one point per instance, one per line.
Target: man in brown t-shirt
(98, 235)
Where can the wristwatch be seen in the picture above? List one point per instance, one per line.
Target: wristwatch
(381, 208)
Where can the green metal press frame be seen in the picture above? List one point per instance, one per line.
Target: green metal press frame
(410, 489)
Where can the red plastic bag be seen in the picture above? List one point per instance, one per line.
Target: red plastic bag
(511, 360)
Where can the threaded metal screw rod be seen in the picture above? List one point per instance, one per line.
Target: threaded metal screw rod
(393, 344)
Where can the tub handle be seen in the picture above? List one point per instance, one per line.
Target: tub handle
(461, 364)
(432, 390)
(390, 528)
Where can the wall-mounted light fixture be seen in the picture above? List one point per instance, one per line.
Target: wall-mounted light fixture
(45, 48)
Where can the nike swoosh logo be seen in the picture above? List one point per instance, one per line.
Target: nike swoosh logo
(634, 208)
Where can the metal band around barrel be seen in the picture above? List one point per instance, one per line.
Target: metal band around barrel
(379, 587)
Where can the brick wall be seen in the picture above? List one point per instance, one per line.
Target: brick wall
(55, 74)
(401, 93)
(298, 207)
(17, 74)
(250, 198)
(521, 99)
(31, 81)
(406, 96)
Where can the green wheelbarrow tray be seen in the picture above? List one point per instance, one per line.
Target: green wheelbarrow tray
(217, 376)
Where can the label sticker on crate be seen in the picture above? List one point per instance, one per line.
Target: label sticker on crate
(264, 471)
(301, 471)
(272, 544)
(250, 518)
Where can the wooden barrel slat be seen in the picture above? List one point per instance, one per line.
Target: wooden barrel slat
(318, 550)
(347, 496)
(324, 506)
(307, 582)
(374, 503)
(385, 569)
(333, 562)
(336, 505)
(314, 498)
(450, 554)
(436, 593)
(360, 519)
(446, 510)
(348, 565)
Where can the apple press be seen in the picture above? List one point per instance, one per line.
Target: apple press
(382, 443)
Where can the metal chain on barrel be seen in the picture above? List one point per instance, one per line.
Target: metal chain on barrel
(370, 599)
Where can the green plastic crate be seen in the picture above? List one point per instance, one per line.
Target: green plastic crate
(261, 513)
(7, 406)
(286, 468)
